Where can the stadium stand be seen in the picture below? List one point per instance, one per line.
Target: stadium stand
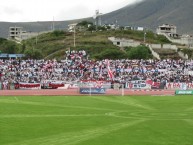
(76, 68)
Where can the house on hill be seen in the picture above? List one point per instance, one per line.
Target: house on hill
(170, 31)
(121, 42)
(19, 34)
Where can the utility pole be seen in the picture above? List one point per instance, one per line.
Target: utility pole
(144, 39)
(74, 35)
(53, 25)
(37, 38)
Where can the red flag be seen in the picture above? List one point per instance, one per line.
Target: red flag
(109, 70)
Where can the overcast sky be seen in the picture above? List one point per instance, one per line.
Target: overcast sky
(47, 10)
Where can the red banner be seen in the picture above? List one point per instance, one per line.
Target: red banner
(32, 85)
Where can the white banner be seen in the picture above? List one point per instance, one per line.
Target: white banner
(138, 84)
(179, 86)
(95, 84)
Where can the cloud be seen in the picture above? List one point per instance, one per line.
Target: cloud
(76, 12)
(45, 10)
(10, 11)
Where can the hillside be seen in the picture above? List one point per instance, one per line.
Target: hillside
(54, 44)
(96, 44)
(35, 26)
(148, 13)
(152, 13)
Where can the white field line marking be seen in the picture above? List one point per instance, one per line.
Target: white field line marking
(125, 101)
(53, 105)
(189, 109)
(16, 99)
(77, 137)
(189, 121)
(116, 114)
(49, 115)
(133, 116)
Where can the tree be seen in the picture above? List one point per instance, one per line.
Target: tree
(92, 28)
(58, 33)
(111, 54)
(140, 52)
(9, 47)
(33, 53)
(28, 53)
(121, 28)
(102, 28)
(85, 23)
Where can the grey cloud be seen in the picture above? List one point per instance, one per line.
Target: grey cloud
(11, 10)
(76, 12)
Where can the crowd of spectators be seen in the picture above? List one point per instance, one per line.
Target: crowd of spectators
(77, 67)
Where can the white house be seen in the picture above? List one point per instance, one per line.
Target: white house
(167, 29)
(15, 32)
(121, 42)
(187, 40)
(71, 27)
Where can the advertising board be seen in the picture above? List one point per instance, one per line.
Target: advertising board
(184, 92)
(92, 90)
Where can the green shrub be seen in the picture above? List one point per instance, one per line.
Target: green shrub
(111, 54)
(140, 52)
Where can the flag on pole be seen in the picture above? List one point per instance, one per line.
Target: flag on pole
(110, 73)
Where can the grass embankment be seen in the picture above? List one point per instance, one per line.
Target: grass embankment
(54, 44)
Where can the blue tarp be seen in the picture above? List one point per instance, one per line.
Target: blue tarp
(5, 55)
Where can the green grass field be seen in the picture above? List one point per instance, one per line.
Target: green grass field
(96, 120)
